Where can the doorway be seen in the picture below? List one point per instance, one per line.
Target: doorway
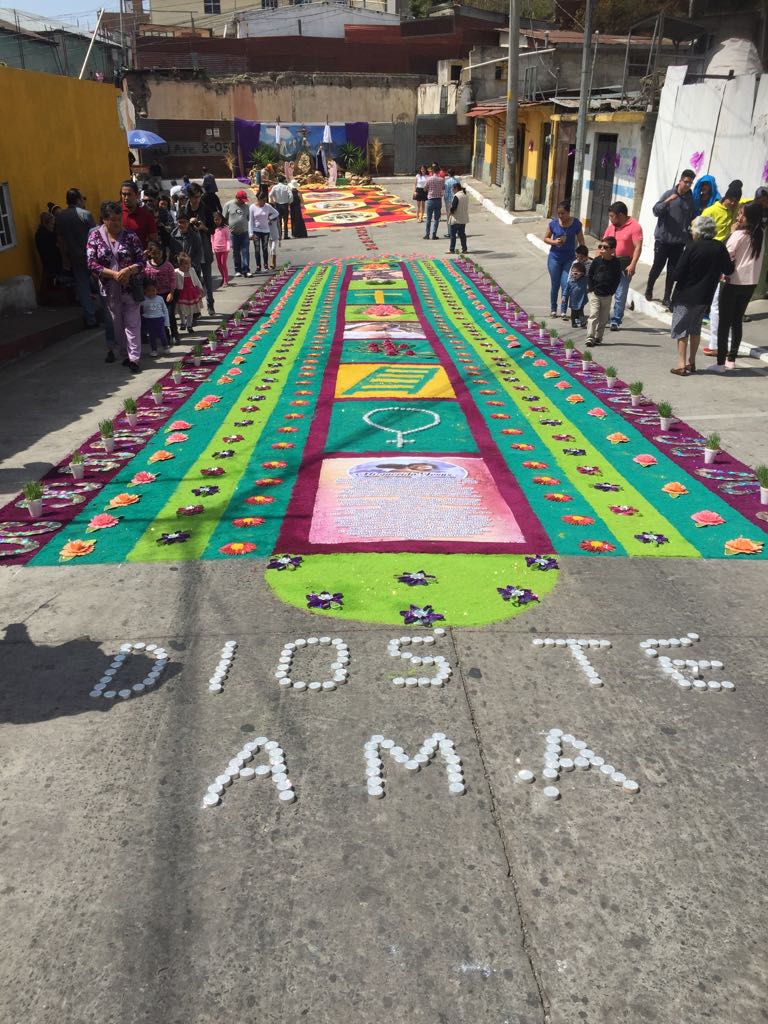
(565, 155)
(544, 148)
(603, 173)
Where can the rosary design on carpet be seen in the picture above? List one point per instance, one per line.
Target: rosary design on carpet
(386, 433)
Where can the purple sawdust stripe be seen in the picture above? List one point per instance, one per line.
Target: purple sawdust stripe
(59, 480)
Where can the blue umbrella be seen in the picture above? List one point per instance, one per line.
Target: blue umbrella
(141, 139)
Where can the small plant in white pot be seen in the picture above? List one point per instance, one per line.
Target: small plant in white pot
(33, 492)
(157, 394)
(636, 393)
(543, 329)
(711, 448)
(586, 360)
(213, 341)
(197, 354)
(107, 434)
(664, 409)
(762, 478)
(570, 348)
(77, 466)
(555, 336)
(611, 373)
(176, 372)
(131, 411)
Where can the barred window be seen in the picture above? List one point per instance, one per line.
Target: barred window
(7, 228)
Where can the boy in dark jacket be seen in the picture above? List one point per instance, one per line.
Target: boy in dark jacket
(603, 278)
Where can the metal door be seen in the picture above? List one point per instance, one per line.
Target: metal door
(501, 156)
(562, 175)
(477, 163)
(603, 171)
(405, 147)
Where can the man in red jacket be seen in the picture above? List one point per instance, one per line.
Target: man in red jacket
(137, 218)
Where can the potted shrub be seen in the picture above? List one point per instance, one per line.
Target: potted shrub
(664, 410)
(157, 393)
(570, 348)
(711, 448)
(197, 354)
(77, 466)
(555, 336)
(611, 373)
(131, 411)
(176, 372)
(762, 478)
(635, 392)
(543, 329)
(107, 433)
(586, 360)
(213, 341)
(33, 492)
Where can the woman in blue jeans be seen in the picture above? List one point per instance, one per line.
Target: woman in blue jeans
(564, 233)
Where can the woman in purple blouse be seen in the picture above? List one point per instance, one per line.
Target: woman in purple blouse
(116, 257)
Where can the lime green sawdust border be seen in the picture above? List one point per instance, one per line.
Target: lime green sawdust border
(465, 591)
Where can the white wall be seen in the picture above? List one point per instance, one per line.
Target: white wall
(726, 121)
(322, 20)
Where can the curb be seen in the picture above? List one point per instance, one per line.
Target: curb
(657, 312)
(503, 215)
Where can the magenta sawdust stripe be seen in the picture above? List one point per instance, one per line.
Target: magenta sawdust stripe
(294, 535)
(18, 532)
(743, 492)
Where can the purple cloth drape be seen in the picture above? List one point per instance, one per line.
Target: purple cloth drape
(357, 134)
(247, 135)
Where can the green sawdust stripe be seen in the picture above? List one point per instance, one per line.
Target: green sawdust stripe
(648, 482)
(465, 591)
(621, 528)
(265, 535)
(201, 527)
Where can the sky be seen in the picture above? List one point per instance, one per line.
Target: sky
(67, 10)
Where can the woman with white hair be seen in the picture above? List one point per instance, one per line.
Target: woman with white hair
(696, 276)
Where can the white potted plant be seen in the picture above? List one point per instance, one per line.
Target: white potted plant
(107, 434)
(570, 348)
(213, 341)
(197, 355)
(762, 478)
(157, 393)
(611, 373)
(176, 372)
(586, 360)
(711, 448)
(555, 336)
(543, 329)
(664, 410)
(131, 411)
(636, 393)
(77, 466)
(33, 492)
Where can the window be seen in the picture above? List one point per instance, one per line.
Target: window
(7, 229)
(456, 70)
(211, 6)
(497, 72)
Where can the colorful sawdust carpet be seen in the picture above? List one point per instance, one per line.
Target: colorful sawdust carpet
(399, 428)
(350, 205)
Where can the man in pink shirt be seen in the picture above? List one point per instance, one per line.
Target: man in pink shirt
(435, 186)
(629, 244)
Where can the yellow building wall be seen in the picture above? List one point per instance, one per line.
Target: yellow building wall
(57, 133)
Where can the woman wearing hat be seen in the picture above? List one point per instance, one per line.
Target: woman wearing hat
(235, 214)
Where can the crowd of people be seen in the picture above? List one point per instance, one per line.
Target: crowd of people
(710, 245)
(146, 267)
(436, 190)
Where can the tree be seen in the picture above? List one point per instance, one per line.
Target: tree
(616, 16)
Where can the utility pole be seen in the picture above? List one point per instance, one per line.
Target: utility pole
(513, 78)
(581, 126)
(90, 45)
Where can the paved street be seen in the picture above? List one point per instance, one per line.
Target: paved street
(123, 900)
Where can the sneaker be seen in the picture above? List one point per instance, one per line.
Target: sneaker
(464, 252)
(715, 368)
(730, 364)
(450, 252)
(709, 351)
(648, 295)
(211, 311)
(667, 304)
(110, 357)
(154, 353)
(614, 326)
(238, 274)
(134, 367)
(553, 314)
(564, 316)
(590, 342)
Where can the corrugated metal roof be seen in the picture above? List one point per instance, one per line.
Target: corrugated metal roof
(40, 23)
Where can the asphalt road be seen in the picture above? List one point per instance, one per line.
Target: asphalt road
(123, 901)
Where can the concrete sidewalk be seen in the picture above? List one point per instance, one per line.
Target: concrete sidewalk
(755, 338)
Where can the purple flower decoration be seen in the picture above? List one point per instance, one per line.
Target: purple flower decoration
(257, 398)
(574, 451)
(225, 453)
(652, 538)
(425, 616)
(243, 423)
(190, 510)
(232, 438)
(538, 408)
(177, 537)
(281, 562)
(623, 510)
(543, 562)
(519, 596)
(206, 491)
(324, 600)
(550, 423)
(531, 398)
(213, 471)
(562, 437)
(415, 579)
(606, 487)
(589, 470)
